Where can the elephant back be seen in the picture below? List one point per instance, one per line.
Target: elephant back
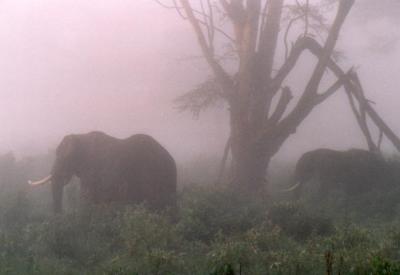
(149, 168)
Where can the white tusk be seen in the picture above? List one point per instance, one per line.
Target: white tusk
(291, 188)
(40, 182)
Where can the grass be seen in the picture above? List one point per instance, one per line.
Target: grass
(214, 231)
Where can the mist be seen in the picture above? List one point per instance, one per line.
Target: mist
(300, 191)
(73, 67)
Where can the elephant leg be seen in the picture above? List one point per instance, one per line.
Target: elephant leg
(85, 195)
(88, 190)
(323, 191)
(325, 187)
(57, 197)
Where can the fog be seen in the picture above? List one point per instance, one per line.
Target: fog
(116, 66)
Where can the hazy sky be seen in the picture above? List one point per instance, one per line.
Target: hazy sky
(75, 66)
(70, 66)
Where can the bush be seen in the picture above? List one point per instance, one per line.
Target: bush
(204, 212)
(381, 266)
(215, 231)
(152, 242)
(296, 222)
(227, 256)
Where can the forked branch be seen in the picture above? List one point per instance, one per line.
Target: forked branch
(353, 86)
(362, 122)
(219, 71)
(307, 101)
(326, 53)
(331, 90)
(281, 107)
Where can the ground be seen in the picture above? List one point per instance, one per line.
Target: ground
(213, 231)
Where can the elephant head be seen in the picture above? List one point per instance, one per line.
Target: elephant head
(69, 158)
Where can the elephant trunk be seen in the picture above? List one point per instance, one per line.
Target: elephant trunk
(62, 173)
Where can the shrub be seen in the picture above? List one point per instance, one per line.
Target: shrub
(204, 212)
(215, 231)
(298, 223)
(382, 266)
(144, 231)
(227, 256)
(76, 241)
(151, 241)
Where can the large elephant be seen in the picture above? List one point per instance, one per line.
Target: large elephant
(135, 169)
(352, 171)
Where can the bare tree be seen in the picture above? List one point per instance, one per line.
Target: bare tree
(252, 29)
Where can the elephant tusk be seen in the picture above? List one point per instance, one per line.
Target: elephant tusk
(291, 188)
(40, 182)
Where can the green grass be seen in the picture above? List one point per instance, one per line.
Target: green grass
(213, 231)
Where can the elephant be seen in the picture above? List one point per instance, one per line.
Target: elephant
(132, 170)
(353, 171)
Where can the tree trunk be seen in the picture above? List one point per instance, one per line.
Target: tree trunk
(250, 158)
(224, 159)
(249, 168)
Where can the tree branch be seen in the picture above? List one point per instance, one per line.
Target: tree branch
(208, 23)
(362, 122)
(269, 38)
(285, 37)
(306, 103)
(380, 139)
(224, 159)
(265, 60)
(325, 56)
(300, 45)
(305, 11)
(306, 18)
(354, 87)
(234, 10)
(220, 73)
(212, 25)
(331, 90)
(174, 6)
(209, 17)
(283, 102)
(219, 30)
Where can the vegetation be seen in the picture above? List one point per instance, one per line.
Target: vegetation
(213, 231)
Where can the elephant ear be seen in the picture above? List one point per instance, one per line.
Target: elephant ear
(69, 147)
(68, 155)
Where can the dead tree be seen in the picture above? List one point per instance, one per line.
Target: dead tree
(252, 28)
(354, 90)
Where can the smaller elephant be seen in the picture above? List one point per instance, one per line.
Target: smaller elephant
(352, 171)
(135, 169)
